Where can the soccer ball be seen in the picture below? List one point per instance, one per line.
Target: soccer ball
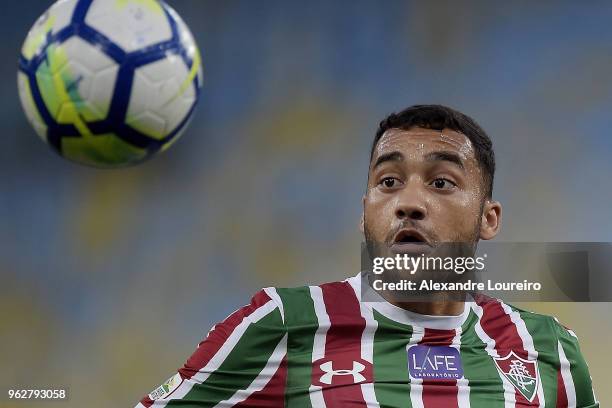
(109, 83)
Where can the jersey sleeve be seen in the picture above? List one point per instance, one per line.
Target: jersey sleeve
(575, 387)
(241, 362)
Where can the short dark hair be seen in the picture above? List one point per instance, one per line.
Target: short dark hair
(439, 117)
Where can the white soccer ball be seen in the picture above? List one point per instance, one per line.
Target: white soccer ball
(109, 83)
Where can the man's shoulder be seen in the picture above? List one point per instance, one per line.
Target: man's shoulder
(308, 300)
(544, 326)
(343, 288)
(535, 317)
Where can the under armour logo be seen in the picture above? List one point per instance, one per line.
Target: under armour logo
(330, 372)
(338, 372)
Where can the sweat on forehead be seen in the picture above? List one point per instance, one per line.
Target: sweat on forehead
(421, 138)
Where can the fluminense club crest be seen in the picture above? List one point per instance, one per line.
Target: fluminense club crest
(523, 374)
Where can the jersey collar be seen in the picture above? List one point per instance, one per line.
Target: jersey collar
(404, 316)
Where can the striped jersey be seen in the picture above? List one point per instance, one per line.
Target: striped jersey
(321, 346)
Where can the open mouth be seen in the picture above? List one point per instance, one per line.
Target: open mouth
(410, 241)
(409, 237)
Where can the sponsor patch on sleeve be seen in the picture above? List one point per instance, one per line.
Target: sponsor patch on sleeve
(166, 388)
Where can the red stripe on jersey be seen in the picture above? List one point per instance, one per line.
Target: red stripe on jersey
(561, 391)
(215, 340)
(273, 394)
(146, 401)
(343, 348)
(439, 393)
(498, 326)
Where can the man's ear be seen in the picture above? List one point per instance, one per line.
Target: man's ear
(490, 224)
(362, 218)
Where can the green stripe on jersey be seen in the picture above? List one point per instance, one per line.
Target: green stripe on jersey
(486, 387)
(391, 380)
(545, 343)
(301, 321)
(578, 368)
(241, 366)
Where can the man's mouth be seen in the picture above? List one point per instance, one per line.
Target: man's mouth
(410, 241)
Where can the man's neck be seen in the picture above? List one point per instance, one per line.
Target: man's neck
(433, 308)
(440, 304)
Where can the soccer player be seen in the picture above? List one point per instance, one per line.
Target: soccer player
(430, 181)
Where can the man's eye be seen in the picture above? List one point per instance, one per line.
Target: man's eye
(389, 182)
(443, 184)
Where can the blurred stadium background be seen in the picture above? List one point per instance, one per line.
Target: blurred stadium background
(110, 278)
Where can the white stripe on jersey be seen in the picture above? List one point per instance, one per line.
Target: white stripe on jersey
(527, 340)
(262, 379)
(566, 375)
(318, 344)
(367, 343)
(509, 392)
(463, 384)
(571, 332)
(271, 292)
(220, 356)
(416, 384)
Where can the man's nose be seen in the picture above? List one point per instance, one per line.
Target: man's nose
(411, 204)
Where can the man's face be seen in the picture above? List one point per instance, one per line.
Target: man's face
(423, 185)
